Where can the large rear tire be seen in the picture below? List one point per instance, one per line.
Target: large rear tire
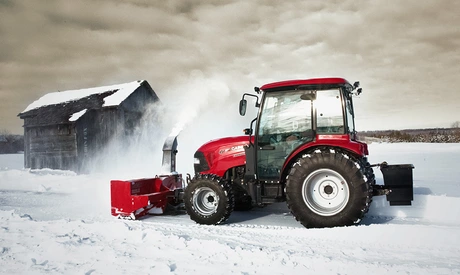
(208, 199)
(327, 188)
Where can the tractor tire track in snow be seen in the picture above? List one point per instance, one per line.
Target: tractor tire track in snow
(180, 248)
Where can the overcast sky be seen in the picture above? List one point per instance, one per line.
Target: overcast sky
(406, 54)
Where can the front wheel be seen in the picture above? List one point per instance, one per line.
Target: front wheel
(208, 199)
(326, 189)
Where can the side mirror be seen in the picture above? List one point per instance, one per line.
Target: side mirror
(243, 104)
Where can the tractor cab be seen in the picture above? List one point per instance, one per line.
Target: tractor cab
(296, 115)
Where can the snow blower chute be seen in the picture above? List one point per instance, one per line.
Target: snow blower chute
(135, 198)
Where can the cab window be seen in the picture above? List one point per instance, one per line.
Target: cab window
(329, 112)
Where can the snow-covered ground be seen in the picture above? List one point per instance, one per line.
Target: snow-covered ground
(57, 222)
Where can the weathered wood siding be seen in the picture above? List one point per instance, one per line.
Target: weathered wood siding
(135, 107)
(94, 131)
(139, 100)
(51, 146)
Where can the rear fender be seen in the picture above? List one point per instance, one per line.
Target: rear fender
(342, 142)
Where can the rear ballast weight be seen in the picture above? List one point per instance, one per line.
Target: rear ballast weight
(399, 183)
(302, 150)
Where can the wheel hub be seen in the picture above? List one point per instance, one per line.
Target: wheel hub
(328, 189)
(205, 200)
(325, 192)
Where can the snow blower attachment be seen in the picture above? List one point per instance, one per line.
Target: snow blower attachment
(135, 198)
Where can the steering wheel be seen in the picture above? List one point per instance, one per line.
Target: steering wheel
(275, 136)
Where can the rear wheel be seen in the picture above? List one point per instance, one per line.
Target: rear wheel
(208, 199)
(326, 189)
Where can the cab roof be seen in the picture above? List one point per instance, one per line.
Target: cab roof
(311, 81)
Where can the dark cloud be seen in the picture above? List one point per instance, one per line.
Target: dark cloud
(405, 54)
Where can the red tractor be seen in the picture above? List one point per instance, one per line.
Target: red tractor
(301, 148)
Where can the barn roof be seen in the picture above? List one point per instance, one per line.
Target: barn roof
(120, 93)
(68, 106)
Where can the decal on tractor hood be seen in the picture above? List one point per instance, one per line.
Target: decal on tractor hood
(233, 148)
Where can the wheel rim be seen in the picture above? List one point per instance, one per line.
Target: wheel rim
(325, 192)
(205, 201)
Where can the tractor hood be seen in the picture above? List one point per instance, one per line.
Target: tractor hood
(215, 156)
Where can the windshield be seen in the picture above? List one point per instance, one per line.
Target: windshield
(285, 112)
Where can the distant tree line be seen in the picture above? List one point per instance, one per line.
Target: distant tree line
(456, 125)
(11, 144)
(436, 135)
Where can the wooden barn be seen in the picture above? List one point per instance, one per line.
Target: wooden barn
(64, 130)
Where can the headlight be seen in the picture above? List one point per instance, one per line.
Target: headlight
(199, 162)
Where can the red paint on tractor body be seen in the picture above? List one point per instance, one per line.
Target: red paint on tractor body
(312, 81)
(334, 141)
(225, 153)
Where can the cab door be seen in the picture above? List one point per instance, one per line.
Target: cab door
(285, 122)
